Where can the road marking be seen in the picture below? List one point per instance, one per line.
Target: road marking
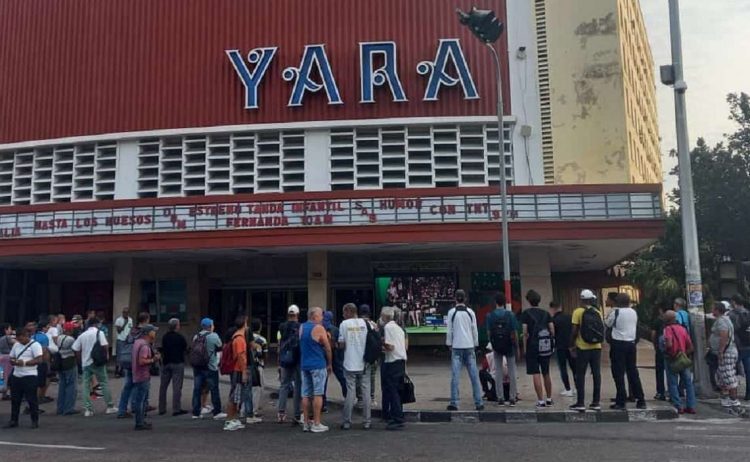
(52, 446)
(710, 448)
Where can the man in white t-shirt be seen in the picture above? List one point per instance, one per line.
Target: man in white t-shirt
(352, 338)
(25, 356)
(123, 325)
(84, 345)
(394, 369)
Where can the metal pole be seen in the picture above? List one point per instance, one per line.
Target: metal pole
(687, 206)
(503, 181)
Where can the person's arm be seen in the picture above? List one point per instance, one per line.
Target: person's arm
(119, 325)
(723, 341)
(143, 358)
(610, 318)
(342, 340)
(449, 329)
(386, 345)
(475, 330)
(668, 340)
(322, 338)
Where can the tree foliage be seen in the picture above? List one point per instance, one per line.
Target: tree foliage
(721, 182)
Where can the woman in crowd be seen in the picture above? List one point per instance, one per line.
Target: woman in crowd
(723, 346)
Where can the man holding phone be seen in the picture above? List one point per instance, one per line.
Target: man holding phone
(25, 356)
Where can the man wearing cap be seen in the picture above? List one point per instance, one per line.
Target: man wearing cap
(587, 354)
(143, 358)
(123, 325)
(210, 374)
(83, 346)
(66, 393)
(288, 337)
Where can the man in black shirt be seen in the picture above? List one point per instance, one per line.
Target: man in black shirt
(173, 349)
(657, 331)
(563, 329)
(539, 332)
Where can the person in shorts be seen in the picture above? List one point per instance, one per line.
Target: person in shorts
(535, 319)
(239, 375)
(316, 365)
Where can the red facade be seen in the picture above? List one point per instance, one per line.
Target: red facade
(72, 68)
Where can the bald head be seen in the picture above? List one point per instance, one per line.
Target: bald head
(670, 317)
(315, 315)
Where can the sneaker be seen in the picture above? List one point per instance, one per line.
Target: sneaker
(280, 418)
(111, 410)
(689, 410)
(480, 407)
(207, 410)
(452, 407)
(577, 407)
(500, 402)
(641, 405)
(231, 425)
(318, 428)
(567, 393)
(618, 407)
(595, 407)
(394, 426)
(253, 420)
(195, 417)
(127, 415)
(736, 403)
(680, 411)
(146, 426)
(367, 426)
(512, 403)
(541, 404)
(346, 426)
(297, 421)
(179, 413)
(88, 413)
(549, 402)
(726, 402)
(306, 427)
(660, 397)
(220, 416)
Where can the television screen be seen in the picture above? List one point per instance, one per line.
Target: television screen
(424, 299)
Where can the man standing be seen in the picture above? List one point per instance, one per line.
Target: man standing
(623, 321)
(394, 368)
(365, 312)
(173, 349)
(462, 337)
(125, 357)
(39, 336)
(316, 361)
(91, 347)
(502, 330)
(740, 317)
(239, 375)
(260, 352)
(90, 319)
(657, 332)
(143, 358)
(538, 333)
(683, 317)
(352, 339)
(586, 348)
(208, 375)
(289, 363)
(123, 325)
(66, 393)
(563, 329)
(25, 357)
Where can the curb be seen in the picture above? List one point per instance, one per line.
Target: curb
(527, 417)
(739, 411)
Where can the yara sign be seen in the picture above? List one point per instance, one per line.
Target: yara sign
(315, 62)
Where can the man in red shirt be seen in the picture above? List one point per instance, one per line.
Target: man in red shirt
(143, 358)
(239, 374)
(677, 341)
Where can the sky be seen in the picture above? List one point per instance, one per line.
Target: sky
(716, 39)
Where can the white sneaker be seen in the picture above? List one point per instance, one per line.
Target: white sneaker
(306, 427)
(726, 402)
(735, 403)
(207, 410)
(195, 417)
(232, 425)
(88, 414)
(567, 393)
(111, 410)
(220, 416)
(253, 420)
(318, 428)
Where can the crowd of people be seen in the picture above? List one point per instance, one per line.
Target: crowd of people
(77, 351)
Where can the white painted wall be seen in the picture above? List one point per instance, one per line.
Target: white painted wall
(317, 160)
(126, 179)
(524, 85)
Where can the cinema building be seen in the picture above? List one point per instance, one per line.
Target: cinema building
(220, 156)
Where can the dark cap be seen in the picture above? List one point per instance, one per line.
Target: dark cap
(147, 329)
(364, 310)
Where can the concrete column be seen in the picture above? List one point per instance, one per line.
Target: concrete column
(535, 273)
(123, 288)
(317, 279)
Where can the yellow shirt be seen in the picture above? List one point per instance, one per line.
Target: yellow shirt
(580, 343)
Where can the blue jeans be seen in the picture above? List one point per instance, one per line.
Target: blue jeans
(247, 397)
(127, 391)
(745, 360)
(685, 378)
(66, 392)
(465, 357)
(211, 379)
(290, 377)
(140, 392)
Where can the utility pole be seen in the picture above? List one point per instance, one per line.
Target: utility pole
(674, 75)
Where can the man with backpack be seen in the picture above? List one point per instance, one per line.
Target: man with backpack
(740, 317)
(205, 361)
(91, 347)
(502, 328)
(362, 346)
(289, 365)
(462, 338)
(623, 321)
(563, 328)
(586, 347)
(125, 358)
(678, 350)
(539, 333)
(234, 363)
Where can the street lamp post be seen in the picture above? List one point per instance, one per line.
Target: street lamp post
(673, 75)
(487, 28)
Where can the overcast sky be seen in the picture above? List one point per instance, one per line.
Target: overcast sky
(716, 39)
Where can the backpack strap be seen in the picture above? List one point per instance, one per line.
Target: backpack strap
(24, 350)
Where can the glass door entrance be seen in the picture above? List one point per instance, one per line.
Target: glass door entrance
(270, 305)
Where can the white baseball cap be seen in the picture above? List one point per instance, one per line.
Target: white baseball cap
(586, 294)
(293, 309)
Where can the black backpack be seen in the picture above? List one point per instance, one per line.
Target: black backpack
(541, 337)
(289, 349)
(373, 345)
(199, 357)
(98, 352)
(501, 334)
(592, 326)
(125, 352)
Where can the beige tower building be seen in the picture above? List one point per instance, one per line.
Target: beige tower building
(597, 93)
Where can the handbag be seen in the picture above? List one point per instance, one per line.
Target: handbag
(680, 362)
(254, 375)
(407, 391)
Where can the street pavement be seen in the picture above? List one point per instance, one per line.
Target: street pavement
(105, 438)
